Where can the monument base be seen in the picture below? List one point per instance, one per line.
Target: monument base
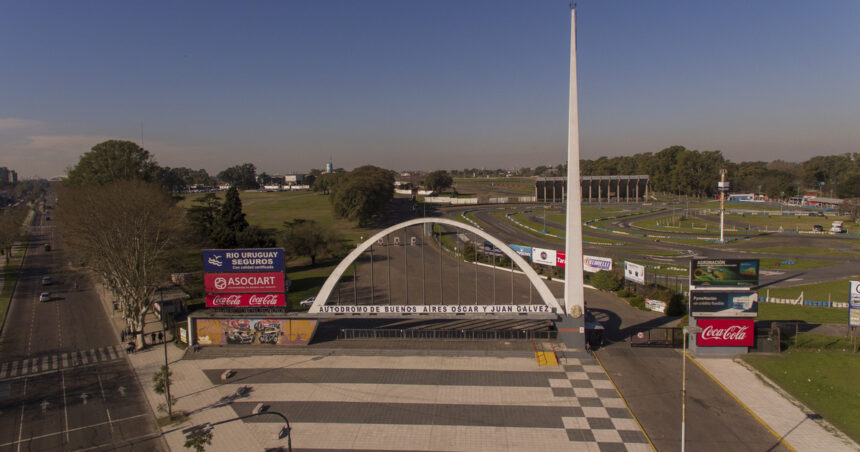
(571, 331)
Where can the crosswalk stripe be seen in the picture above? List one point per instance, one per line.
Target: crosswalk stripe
(14, 369)
(60, 361)
(24, 367)
(103, 355)
(56, 360)
(84, 358)
(35, 364)
(65, 360)
(111, 353)
(46, 363)
(3, 370)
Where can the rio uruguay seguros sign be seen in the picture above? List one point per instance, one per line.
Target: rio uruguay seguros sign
(726, 333)
(244, 282)
(245, 300)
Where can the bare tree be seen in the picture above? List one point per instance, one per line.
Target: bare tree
(125, 231)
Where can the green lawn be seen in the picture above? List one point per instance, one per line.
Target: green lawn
(808, 314)
(794, 222)
(824, 380)
(272, 209)
(807, 251)
(835, 290)
(799, 264)
(10, 275)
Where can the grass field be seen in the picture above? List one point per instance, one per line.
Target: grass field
(794, 222)
(10, 275)
(808, 314)
(808, 251)
(835, 290)
(272, 209)
(821, 376)
(799, 264)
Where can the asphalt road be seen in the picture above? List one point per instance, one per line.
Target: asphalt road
(64, 382)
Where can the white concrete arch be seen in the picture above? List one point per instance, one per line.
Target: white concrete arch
(327, 288)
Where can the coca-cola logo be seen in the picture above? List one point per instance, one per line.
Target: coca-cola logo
(732, 333)
(263, 300)
(230, 300)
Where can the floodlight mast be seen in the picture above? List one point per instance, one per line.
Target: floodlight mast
(574, 294)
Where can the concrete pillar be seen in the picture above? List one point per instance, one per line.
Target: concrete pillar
(572, 328)
(627, 190)
(590, 183)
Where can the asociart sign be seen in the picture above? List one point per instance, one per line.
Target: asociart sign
(246, 300)
(243, 282)
(726, 333)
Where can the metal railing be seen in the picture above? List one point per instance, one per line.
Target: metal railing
(450, 335)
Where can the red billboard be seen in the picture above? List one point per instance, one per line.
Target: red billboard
(244, 282)
(246, 300)
(559, 259)
(726, 333)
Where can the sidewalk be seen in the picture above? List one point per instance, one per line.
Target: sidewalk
(784, 415)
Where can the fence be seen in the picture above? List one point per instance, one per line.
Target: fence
(451, 335)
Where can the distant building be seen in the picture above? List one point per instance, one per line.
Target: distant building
(329, 167)
(13, 176)
(294, 179)
(4, 174)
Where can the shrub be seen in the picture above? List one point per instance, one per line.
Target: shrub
(676, 307)
(638, 302)
(604, 280)
(623, 293)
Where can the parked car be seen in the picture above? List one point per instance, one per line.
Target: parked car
(47, 281)
(818, 228)
(45, 296)
(47, 247)
(816, 214)
(308, 301)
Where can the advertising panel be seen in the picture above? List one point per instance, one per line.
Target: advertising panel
(854, 304)
(524, 251)
(655, 305)
(726, 333)
(254, 331)
(593, 264)
(243, 260)
(243, 282)
(560, 258)
(723, 304)
(724, 272)
(246, 300)
(634, 272)
(544, 257)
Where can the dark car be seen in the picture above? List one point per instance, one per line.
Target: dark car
(818, 228)
(816, 214)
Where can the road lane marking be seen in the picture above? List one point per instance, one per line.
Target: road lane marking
(65, 405)
(21, 425)
(46, 435)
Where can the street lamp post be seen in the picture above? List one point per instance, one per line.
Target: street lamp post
(690, 329)
(166, 362)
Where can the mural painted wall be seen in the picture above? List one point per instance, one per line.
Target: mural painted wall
(254, 331)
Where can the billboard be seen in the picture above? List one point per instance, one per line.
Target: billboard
(724, 272)
(246, 300)
(243, 260)
(593, 264)
(243, 282)
(634, 272)
(544, 256)
(723, 304)
(726, 333)
(854, 304)
(524, 251)
(560, 258)
(254, 331)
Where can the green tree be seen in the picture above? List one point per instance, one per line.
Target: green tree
(203, 217)
(11, 223)
(438, 181)
(161, 384)
(850, 187)
(111, 161)
(326, 182)
(231, 221)
(362, 193)
(604, 280)
(243, 177)
(199, 442)
(309, 238)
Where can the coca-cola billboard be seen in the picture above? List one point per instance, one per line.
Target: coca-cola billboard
(726, 333)
(246, 300)
(244, 282)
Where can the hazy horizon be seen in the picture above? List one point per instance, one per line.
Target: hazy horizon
(422, 86)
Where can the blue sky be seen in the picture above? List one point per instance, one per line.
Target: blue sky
(423, 85)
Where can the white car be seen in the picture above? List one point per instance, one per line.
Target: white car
(308, 301)
(45, 296)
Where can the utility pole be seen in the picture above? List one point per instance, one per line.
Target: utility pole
(723, 187)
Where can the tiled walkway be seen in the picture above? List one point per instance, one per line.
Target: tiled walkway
(420, 403)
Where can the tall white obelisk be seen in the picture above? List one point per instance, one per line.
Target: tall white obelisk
(574, 294)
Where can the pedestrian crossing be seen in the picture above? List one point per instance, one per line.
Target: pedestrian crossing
(46, 363)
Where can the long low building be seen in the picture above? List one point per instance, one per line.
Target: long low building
(629, 188)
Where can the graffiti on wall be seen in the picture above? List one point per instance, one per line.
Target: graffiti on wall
(254, 331)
